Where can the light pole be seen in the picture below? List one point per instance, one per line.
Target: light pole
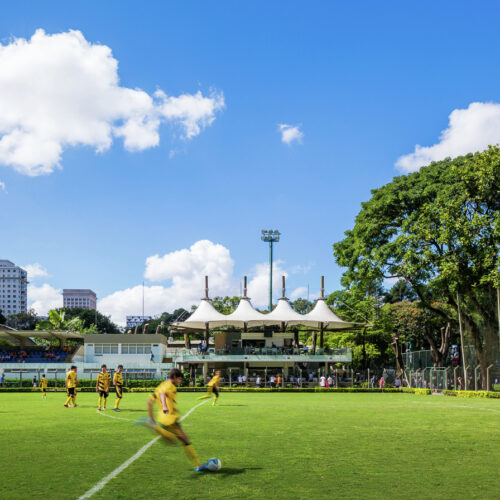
(271, 236)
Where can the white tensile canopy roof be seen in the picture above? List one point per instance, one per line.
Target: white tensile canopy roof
(321, 316)
(206, 316)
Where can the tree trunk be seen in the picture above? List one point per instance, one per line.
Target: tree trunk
(187, 340)
(439, 353)
(400, 366)
(314, 341)
(321, 336)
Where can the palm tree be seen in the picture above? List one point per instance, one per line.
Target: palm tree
(57, 321)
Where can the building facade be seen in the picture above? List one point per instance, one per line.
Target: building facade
(133, 321)
(75, 297)
(13, 288)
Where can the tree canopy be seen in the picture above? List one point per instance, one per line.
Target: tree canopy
(439, 230)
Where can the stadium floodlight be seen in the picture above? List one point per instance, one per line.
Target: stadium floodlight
(270, 236)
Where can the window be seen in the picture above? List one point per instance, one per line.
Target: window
(136, 348)
(100, 349)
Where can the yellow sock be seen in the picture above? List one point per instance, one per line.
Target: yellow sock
(68, 400)
(100, 401)
(105, 399)
(73, 399)
(193, 457)
(215, 400)
(117, 402)
(205, 397)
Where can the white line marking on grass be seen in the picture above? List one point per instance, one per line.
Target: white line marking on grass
(103, 482)
(111, 416)
(477, 408)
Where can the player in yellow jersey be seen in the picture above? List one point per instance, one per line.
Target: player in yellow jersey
(213, 388)
(71, 383)
(102, 387)
(43, 384)
(167, 416)
(118, 381)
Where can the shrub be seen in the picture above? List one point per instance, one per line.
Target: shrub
(473, 394)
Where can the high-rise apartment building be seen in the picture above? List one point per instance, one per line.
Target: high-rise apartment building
(13, 288)
(75, 297)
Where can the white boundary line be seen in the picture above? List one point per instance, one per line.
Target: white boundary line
(477, 408)
(100, 485)
(111, 416)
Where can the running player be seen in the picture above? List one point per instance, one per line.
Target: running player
(167, 418)
(43, 384)
(102, 387)
(213, 388)
(71, 383)
(118, 381)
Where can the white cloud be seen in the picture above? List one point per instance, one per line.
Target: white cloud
(3, 187)
(300, 269)
(43, 298)
(301, 291)
(290, 133)
(59, 91)
(35, 271)
(258, 286)
(185, 269)
(469, 130)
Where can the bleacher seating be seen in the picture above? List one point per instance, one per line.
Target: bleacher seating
(33, 355)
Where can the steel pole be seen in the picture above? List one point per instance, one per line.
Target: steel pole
(270, 275)
(462, 340)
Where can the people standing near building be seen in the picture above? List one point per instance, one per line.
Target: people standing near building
(257, 381)
(118, 382)
(322, 381)
(43, 384)
(397, 383)
(102, 387)
(71, 383)
(329, 381)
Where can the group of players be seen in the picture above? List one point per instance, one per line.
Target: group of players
(167, 421)
(103, 386)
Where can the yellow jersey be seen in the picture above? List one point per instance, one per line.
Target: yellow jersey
(214, 381)
(118, 378)
(44, 383)
(103, 381)
(70, 379)
(170, 391)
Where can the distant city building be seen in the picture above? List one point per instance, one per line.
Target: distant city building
(133, 321)
(13, 288)
(74, 297)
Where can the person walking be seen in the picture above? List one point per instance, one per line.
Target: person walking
(381, 383)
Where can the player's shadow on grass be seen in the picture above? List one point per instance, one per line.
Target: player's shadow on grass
(228, 471)
(223, 404)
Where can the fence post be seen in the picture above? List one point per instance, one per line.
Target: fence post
(488, 377)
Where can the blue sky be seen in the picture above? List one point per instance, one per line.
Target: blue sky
(364, 82)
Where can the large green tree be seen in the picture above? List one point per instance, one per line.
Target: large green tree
(439, 230)
(91, 317)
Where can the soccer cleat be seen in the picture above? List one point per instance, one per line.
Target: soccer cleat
(74, 406)
(116, 409)
(201, 468)
(99, 409)
(67, 406)
(104, 408)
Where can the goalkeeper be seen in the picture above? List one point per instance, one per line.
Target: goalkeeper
(213, 388)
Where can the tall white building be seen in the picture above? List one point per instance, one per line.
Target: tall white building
(75, 297)
(13, 288)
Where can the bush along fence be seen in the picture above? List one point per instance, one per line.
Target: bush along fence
(140, 387)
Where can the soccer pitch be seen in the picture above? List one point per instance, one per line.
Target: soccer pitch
(279, 446)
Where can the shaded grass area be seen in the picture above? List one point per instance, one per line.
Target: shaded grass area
(271, 445)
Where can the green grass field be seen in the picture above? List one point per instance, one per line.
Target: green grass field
(279, 446)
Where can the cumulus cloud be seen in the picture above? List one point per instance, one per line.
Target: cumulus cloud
(301, 291)
(469, 130)
(258, 286)
(185, 269)
(59, 91)
(43, 298)
(290, 133)
(3, 187)
(35, 271)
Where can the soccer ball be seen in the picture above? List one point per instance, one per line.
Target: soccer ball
(214, 464)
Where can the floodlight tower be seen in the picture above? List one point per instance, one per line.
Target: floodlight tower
(271, 236)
